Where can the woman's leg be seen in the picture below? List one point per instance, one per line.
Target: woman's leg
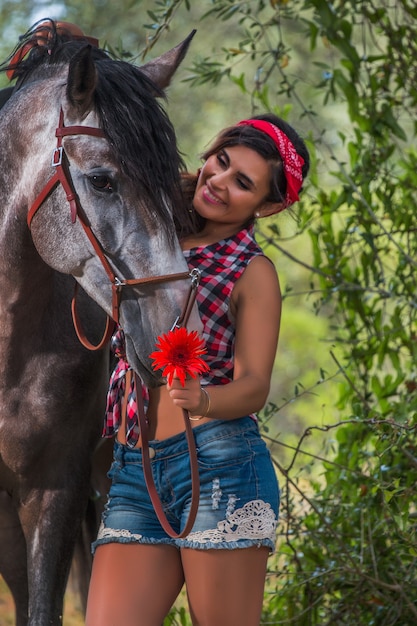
(225, 587)
(133, 584)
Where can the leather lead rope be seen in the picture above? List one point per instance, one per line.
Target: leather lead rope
(146, 461)
(147, 470)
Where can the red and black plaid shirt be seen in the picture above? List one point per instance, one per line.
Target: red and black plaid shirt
(221, 264)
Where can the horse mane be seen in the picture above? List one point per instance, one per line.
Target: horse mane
(136, 125)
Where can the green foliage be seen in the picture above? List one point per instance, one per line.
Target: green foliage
(342, 421)
(348, 547)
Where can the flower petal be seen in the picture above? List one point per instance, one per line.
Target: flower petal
(179, 355)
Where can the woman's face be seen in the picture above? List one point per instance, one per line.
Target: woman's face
(232, 186)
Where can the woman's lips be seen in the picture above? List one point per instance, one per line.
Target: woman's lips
(211, 197)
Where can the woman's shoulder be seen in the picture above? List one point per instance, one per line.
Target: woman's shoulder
(258, 288)
(261, 268)
(259, 280)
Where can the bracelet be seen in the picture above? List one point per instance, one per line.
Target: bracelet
(206, 393)
(207, 409)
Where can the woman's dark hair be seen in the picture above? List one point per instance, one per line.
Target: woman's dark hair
(262, 144)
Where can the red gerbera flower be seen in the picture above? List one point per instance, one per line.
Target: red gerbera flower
(179, 354)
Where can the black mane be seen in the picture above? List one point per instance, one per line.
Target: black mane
(139, 130)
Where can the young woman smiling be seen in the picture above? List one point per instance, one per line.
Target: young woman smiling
(254, 169)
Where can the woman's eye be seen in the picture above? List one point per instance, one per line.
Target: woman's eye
(242, 184)
(101, 183)
(222, 159)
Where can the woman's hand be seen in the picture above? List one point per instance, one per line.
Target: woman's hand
(190, 397)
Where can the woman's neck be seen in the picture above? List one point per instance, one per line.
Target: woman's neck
(210, 233)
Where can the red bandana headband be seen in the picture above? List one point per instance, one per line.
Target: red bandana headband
(291, 160)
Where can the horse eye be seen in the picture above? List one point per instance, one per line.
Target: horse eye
(101, 183)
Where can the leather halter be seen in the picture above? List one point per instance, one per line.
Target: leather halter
(62, 176)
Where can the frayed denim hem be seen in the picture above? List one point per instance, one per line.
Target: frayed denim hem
(226, 545)
(185, 543)
(133, 539)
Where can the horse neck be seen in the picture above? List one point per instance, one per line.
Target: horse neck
(26, 282)
(23, 274)
(26, 286)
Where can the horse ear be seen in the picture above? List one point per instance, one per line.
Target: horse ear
(82, 80)
(162, 69)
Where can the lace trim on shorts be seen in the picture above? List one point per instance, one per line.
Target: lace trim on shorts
(112, 533)
(255, 520)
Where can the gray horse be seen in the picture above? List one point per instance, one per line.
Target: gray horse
(89, 176)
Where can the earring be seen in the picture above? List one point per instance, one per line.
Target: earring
(257, 214)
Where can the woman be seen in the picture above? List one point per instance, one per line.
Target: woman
(254, 169)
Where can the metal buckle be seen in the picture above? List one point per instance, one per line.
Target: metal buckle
(57, 160)
(175, 324)
(195, 276)
(118, 283)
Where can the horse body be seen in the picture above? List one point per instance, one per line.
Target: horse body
(52, 389)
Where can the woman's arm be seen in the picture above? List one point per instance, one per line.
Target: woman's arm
(256, 306)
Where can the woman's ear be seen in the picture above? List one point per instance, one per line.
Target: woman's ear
(269, 208)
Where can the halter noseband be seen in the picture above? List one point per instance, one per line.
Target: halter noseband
(63, 177)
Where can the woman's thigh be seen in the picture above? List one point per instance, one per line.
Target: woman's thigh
(133, 584)
(225, 587)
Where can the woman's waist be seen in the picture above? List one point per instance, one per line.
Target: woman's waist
(209, 431)
(162, 425)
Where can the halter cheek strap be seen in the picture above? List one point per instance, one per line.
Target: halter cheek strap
(292, 162)
(62, 177)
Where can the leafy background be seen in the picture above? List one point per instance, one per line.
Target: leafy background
(341, 421)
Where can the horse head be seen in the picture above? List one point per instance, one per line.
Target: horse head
(100, 119)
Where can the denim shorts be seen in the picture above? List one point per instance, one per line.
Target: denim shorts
(239, 493)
